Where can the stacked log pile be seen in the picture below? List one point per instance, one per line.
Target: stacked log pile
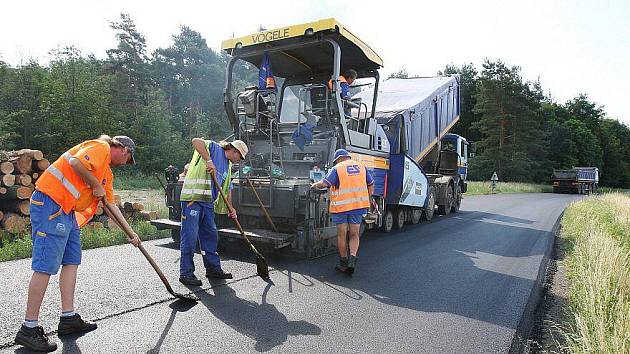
(131, 211)
(18, 172)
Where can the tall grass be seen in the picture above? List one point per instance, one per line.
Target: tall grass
(598, 268)
(18, 247)
(479, 188)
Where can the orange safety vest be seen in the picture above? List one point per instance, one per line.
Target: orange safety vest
(330, 83)
(63, 185)
(352, 192)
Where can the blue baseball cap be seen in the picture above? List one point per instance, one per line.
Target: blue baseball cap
(340, 153)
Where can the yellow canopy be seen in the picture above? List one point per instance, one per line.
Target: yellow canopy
(309, 59)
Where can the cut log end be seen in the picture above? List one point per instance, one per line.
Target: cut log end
(14, 223)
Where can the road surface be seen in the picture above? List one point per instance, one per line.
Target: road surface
(461, 283)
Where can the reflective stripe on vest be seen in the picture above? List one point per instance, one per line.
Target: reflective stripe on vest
(69, 186)
(197, 184)
(352, 192)
(66, 187)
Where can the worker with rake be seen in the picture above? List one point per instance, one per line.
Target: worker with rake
(200, 200)
(66, 197)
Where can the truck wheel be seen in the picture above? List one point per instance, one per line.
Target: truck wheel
(388, 221)
(416, 214)
(427, 214)
(445, 209)
(457, 203)
(399, 219)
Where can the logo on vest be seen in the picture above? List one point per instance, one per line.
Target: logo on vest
(60, 227)
(353, 170)
(194, 213)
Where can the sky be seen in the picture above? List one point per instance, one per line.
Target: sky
(573, 47)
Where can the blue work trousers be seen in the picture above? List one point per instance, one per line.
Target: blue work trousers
(198, 223)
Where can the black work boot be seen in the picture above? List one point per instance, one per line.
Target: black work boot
(35, 339)
(218, 274)
(74, 324)
(352, 262)
(191, 280)
(343, 265)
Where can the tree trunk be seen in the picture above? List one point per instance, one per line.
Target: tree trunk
(7, 180)
(17, 192)
(22, 163)
(41, 165)
(19, 206)
(15, 224)
(33, 154)
(24, 180)
(6, 167)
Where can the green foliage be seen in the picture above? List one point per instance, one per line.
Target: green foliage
(510, 125)
(21, 246)
(165, 98)
(598, 231)
(523, 135)
(400, 74)
(480, 188)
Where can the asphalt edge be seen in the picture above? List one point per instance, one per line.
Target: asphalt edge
(528, 317)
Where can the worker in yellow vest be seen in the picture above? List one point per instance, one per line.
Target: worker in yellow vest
(200, 201)
(351, 186)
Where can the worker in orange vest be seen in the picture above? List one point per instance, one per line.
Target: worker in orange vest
(66, 197)
(345, 81)
(351, 186)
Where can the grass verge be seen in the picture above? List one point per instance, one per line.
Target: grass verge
(21, 247)
(598, 268)
(128, 180)
(480, 188)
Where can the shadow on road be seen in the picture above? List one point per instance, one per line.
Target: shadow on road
(260, 322)
(176, 306)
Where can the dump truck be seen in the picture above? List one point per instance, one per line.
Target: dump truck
(578, 180)
(397, 128)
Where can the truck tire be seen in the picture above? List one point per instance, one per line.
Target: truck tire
(445, 209)
(457, 203)
(399, 219)
(388, 221)
(414, 216)
(427, 213)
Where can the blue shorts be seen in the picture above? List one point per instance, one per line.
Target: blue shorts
(56, 235)
(342, 218)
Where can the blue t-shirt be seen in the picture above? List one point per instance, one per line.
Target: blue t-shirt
(332, 179)
(345, 90)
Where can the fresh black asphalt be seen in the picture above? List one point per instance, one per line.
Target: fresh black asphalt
(457, 284)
